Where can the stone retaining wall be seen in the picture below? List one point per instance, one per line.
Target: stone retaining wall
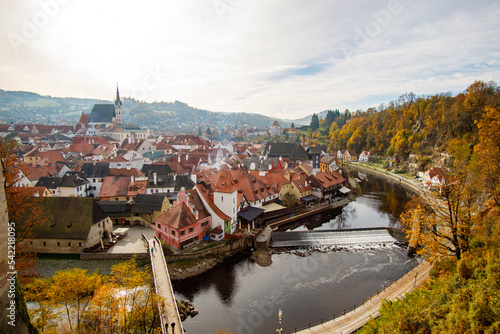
(112, 256)
(223, 249)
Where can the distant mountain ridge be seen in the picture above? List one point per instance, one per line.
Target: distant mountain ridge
(28, 107)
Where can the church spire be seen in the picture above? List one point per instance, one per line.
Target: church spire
(118, 101)
(118, 119)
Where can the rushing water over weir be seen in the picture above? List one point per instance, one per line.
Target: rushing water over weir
(353, 237)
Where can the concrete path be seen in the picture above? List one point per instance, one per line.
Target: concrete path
(163, 286)
(355, 319)
(133, 242)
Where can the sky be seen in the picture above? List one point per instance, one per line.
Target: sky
(282, 58)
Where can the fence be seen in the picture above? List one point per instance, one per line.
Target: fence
(393, 285)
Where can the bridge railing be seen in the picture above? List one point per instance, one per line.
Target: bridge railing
(154, 280)
(169, 284)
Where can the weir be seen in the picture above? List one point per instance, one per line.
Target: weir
(348, 237)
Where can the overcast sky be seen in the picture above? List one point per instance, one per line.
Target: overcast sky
(282, 58)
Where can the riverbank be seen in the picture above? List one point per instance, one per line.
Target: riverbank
(408, 184)
(183, 269)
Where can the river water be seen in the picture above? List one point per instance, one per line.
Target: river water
(244, 297)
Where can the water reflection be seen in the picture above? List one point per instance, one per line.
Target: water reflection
(221, 279)
(380, 204)
(384, 196)
(341, 221)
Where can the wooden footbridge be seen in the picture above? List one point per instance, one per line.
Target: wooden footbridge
(169, 314)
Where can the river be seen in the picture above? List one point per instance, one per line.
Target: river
(242, 296)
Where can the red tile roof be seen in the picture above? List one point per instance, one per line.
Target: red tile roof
(223, 182)
(205, 194)
(177, 217)
(328, 179)
(114, 186)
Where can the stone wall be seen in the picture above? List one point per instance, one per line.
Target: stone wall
(112, 256)
(223, 249)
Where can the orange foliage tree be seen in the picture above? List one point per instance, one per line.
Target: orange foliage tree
(20, 204)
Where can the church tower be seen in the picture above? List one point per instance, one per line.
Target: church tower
(118, 108)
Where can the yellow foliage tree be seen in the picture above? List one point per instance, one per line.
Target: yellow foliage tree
(488, 151)
(442, 225)
(74, 289)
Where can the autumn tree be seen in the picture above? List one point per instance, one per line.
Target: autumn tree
(24, 209)
(488, 151)
(71, 289)
(122, 302)
(141, 300)
(442, 225)
(290, 201)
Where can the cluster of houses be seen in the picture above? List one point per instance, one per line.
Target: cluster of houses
(186, 187)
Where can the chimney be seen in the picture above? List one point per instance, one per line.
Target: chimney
(196, 214)
(155, 178)
(132, 179)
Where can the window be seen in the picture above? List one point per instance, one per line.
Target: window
(79, 244)
(44, 243)
(183, 232)
(58, 244)
(166, 229)
(173, 232)
(222, 199)
(159, 226)
(69, 244)
(191, 229)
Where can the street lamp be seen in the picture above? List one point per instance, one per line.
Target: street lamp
(280, 314)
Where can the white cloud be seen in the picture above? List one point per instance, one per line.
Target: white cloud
(281, 58)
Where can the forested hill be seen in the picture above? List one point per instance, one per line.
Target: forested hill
(419, 125)
(27, 107)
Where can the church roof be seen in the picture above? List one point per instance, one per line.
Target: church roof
(102, 113)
